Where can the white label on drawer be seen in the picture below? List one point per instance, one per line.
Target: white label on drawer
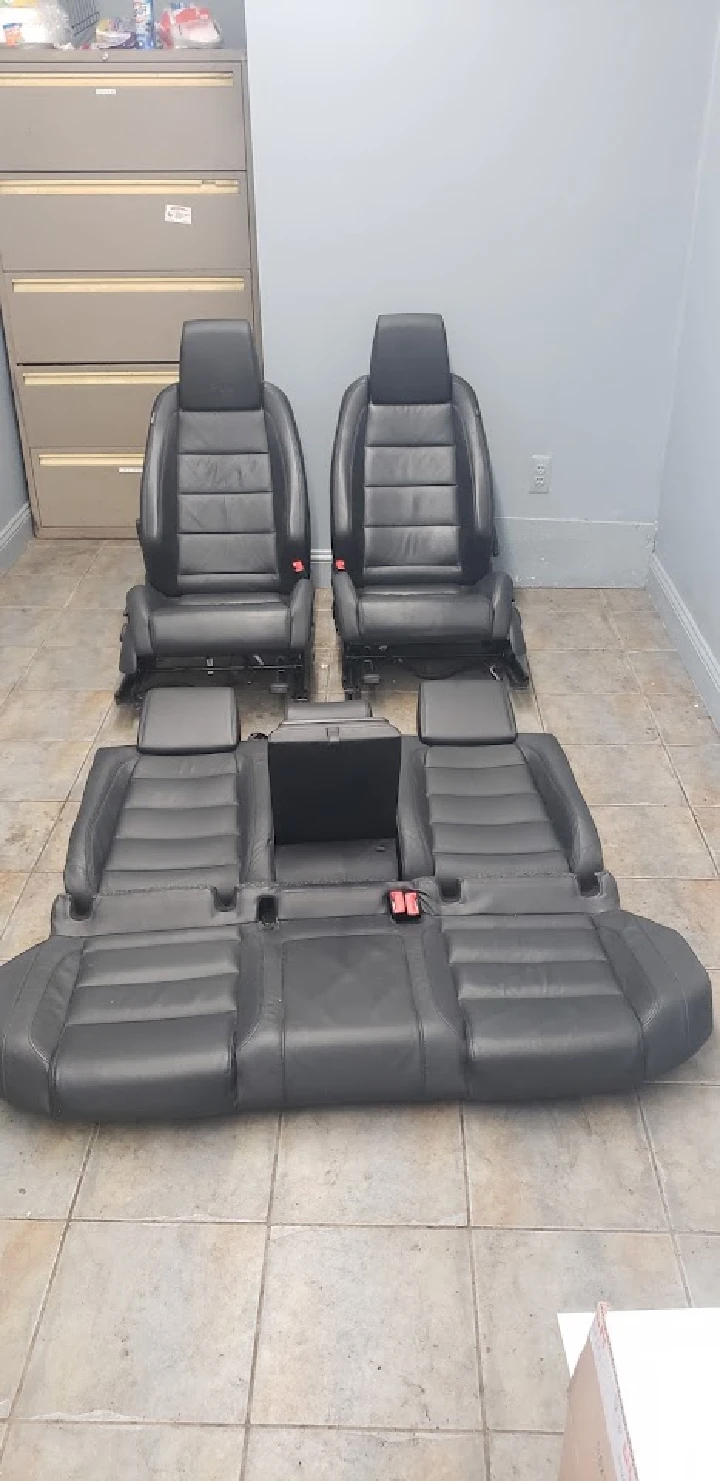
(105, 92)
(181, 215)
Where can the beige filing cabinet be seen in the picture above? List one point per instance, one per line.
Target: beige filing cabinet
(125, 208)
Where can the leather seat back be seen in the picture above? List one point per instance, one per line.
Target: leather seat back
(224, 505)
(412, 488)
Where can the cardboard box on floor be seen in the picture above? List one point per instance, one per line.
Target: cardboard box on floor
(644, 1397)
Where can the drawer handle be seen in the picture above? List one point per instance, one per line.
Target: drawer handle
(128, 285)
(92, 460)
(164, 376)
(43, 187)
(93, 80)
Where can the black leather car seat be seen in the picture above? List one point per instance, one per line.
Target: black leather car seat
(413, 524)
(186, 974)
(224, 522)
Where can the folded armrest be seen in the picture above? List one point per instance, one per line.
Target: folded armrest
(92, 833)
(565, 804)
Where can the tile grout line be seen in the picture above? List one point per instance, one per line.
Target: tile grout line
(54, 1421)
(48, 1288)
(691, 806)
(484, 1431)
(261, 1301)
(663, 1198)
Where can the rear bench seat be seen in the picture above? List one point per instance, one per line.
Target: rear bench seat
(183, 979)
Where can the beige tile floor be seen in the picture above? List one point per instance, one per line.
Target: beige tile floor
(362, 1296)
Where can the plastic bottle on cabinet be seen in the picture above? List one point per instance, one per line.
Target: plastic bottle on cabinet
(144, 23)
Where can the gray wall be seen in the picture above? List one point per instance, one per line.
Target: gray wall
(688, 540)
(527, 169)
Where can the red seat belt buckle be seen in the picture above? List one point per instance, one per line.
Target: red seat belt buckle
(396, 901)
(339, 565)
(298, 566)
(412, 904)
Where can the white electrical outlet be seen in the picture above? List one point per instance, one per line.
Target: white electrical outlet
(541, 474)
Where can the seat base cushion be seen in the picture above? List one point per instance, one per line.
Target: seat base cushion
(387, 615)
(215, 626)
(346, 1010)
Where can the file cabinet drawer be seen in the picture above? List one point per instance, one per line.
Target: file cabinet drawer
(98, 490)
(124, 225)
(121, 118)
(92, 320)
(90, 406)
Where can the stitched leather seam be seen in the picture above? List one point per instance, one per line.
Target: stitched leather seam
(8, 1020)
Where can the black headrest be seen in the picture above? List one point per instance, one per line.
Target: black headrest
(465, 712)
(219, 368)
(181, 722)
(409, 364)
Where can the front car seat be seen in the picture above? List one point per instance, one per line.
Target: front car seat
(413, 527)
(224, 523)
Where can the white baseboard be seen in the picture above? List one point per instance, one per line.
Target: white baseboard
(702, 664)
(14, 536)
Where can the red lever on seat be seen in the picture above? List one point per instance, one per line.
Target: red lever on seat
(396, 899)
(412, 904)
(298, 566)
(339, 565)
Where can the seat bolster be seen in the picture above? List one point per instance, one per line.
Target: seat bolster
(467, 410)
(413, 820)
(139, 604)
(566, 807)
(345, 604)
(344, 536)
(498, 588)
(95, 824)
(157, 526)
(666, 986)
(301, 607)
(35, 991)
(256, 835)
(294, 540)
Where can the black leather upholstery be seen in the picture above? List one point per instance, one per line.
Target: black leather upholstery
(459, 712)
(200, 966)
(224, 522)
(182, 722)
(413, 526)
(157, 817)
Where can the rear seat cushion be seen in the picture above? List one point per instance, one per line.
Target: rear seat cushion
(349, 1009)
(122, 1027)
(574, 1005)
